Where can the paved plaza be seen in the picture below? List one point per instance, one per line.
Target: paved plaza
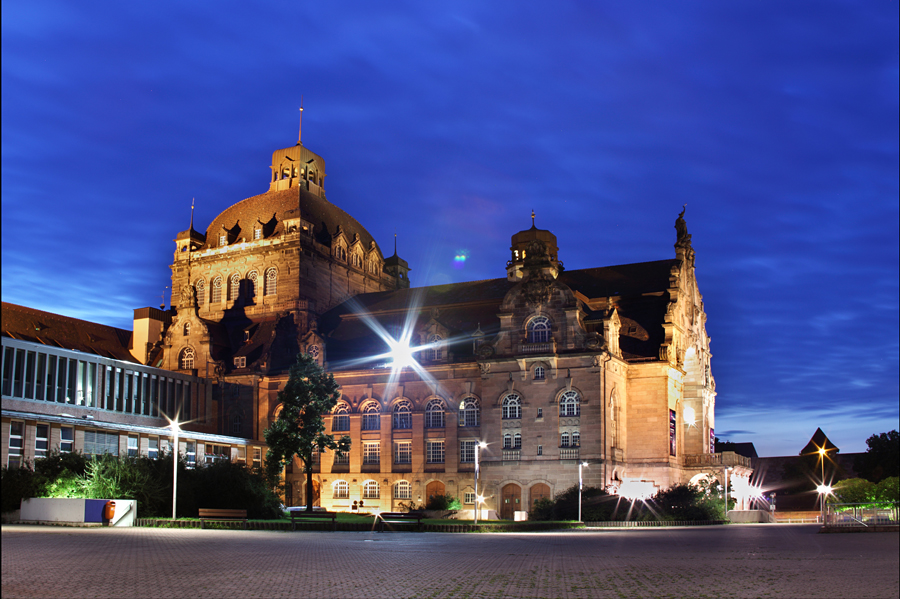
(717, 561)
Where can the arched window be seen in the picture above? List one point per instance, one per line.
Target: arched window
(371, 490)
(371, 417)
(340, 421)
(237, 425)
(187, 329)
(402, 415)
(437, 347)
(253, 287)
(507, 441)
(186, 359)
(512, 406)
(200, 286)
(570, 404)
(576, 439)
(564, 439)
(434, 414)
(517, 441)
(271, 282)
(469, 412)
(341, 489)
(356, 260)
(539, 373)
(216, 297)
(340, 253)
(402, 490)
(234, 287)
(539, 330)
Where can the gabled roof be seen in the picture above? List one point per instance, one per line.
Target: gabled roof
(55, 330)
(819, 440)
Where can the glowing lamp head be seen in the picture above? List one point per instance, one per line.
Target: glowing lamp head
(482, 445)
(690, 416)
(401, 354)
(479, 499)
(824, 489)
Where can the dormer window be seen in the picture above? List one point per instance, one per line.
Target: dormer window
(187, 329)
(223, 240)
(257, 233)
(240, 362)
(246, 336)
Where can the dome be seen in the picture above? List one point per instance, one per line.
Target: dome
(241, 218)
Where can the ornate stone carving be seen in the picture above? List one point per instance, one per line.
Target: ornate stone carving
(684, 238)
(485, 368)
(536, 290)
(485, 351)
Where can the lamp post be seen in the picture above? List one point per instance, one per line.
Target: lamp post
(175, 430)
(822, 452)
(580, 486)
(823, 490)
(726, 491)
(479, 445)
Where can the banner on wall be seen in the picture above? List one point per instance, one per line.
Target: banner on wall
(712, 440)
(672, 427)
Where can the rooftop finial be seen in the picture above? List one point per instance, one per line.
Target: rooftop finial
(192, 214)
(395, 244)
(532, 218)
(300, 132)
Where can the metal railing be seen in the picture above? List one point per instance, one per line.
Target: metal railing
(861, 514)
(726, 458)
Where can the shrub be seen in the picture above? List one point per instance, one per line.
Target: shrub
(17, 484)
(443, 502)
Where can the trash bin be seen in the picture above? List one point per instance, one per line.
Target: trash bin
(109, 510)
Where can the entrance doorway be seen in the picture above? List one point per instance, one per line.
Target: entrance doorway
(512, 501)
(433, 488)
(538, 491)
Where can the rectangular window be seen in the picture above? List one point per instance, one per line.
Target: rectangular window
(132, 446)
(371, 422)
(435, 452)
(153, 448)
(128, 378)
(70, 388)
(403, 452)
(222, 240)
(19, 373)
(8, 359)
(242, 455)
(540, 413)
(240, 362)
(371, 453)
(469, 497)
(257, 457)
(99, 442)
(340, 422)
(61, 380)
(540, 450)
(29, 374)
(41, 440)
(190, 454)
(41, 375)
(342, 459)
(257, 233)
(467, 452)
(66, 439)
(16, 433)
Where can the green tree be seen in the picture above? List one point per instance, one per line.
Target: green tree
(882, 458)
(310, 393)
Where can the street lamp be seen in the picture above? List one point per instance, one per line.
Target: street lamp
(175, 430)
(580, 486)
(479, 445)
(823, 490)
(726, 491)
(822, 453)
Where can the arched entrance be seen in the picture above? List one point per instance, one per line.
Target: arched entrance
(512, 501)
(538, 491)
(433, 488)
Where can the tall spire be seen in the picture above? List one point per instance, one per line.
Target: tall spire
(192, 215)
(300, 132)
(395, 244)
(532, 218)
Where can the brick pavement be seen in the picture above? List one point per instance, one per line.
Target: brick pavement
(718, 561)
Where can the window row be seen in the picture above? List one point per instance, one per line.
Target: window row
(340, 489)
(235, 287)
(53, 378)
(569, 405)
(401, 415)
(357, 260)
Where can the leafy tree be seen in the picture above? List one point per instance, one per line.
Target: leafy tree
(854, 490)
(882, 458)
(299, 430)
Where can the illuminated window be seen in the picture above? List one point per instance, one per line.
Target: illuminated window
(341, 419)
(201, 292)
(41, 440)
(467, 452)
(539, 330)
(512, 406)
(342, 459)
(186, 360)
(402, 416)
(257, 457)
(16, 433)
(355, 260)
(469, 412)
(469, 497)
(341, 489)
(434, 414)
(216, 297)
(257, 233)
(223, 240)
(271, 282)
(435, 452)
(507, 441)
(564, 440)
(187, 329)
(371, 418)
(371, 453)
(402, 490)
(570, 404)
(240, 361)
(66, 439)
(403, 452)
(576, 439)
(190, 454)
(371, 490)
(517, 441)
(234, 287)
(253, 287)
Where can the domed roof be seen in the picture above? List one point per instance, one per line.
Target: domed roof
(523, 238)
(241, 218)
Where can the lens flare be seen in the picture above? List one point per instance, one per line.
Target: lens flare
(460, 259)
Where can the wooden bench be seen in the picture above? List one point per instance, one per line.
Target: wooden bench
(399, 518)
(222, 515)
(304, 515)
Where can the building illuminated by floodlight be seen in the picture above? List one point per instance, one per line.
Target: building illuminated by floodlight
(549, 367)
